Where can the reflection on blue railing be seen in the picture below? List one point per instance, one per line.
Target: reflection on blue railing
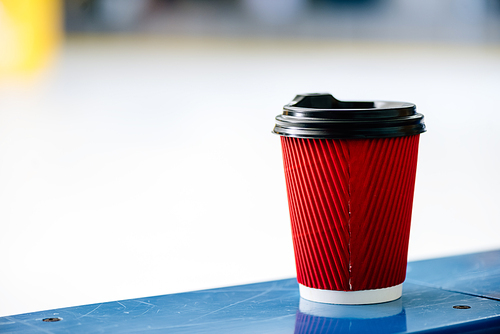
(326, 318)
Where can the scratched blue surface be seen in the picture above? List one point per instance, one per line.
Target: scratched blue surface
(477, 274)
(275, 307)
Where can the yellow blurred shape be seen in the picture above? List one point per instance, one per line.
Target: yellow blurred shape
(30, 31)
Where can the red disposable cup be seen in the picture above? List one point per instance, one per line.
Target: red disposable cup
(350, 198)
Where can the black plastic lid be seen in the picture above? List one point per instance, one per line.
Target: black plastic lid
(323, 116)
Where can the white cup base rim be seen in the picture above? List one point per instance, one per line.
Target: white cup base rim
(360, 297)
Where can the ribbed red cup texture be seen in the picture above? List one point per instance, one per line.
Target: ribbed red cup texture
(350, 204)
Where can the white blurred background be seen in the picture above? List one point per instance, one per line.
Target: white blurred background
(136, 154)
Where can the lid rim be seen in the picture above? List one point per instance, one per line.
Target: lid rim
(396, 106)
(323, 116)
